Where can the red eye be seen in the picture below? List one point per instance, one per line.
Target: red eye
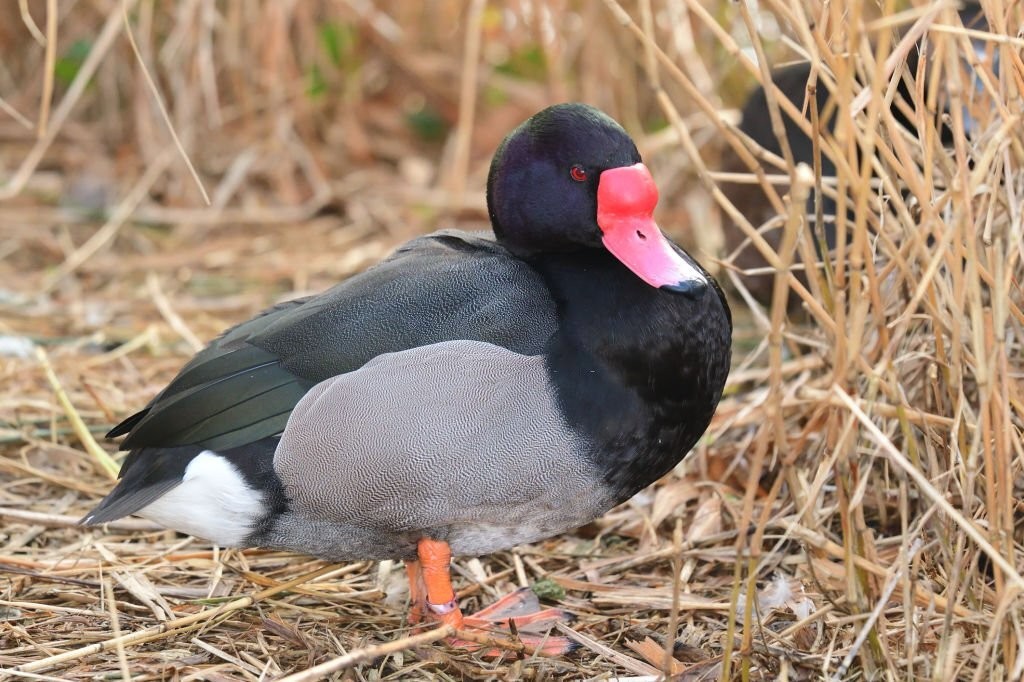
(578, 173)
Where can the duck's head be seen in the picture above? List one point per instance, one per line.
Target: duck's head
(571, 178)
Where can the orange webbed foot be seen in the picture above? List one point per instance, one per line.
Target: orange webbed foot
(515, 622)
(519, 615)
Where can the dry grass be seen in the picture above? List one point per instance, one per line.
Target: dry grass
(853, 511)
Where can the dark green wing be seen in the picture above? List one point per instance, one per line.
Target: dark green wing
(222, 359)
(443, 287)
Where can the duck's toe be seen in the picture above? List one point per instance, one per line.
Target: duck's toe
(515, 619)
(521, 607)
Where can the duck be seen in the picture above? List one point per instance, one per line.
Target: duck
(792, 81)
(750, 199)
(470, 393)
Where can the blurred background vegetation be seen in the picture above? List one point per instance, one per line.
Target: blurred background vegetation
(292, 111)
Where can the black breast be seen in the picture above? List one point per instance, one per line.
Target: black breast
(639, 371)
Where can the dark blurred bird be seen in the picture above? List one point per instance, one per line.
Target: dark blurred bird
(792, 80)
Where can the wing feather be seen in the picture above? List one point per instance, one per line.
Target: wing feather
(242, 387)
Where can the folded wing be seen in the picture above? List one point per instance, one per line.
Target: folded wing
(243, 386)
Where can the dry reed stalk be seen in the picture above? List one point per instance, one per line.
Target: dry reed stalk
(459, 169)
(51, 59)
(160, 102)
(369, 654)
(103, 460)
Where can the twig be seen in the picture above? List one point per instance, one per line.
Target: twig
(170, 314)
(15, 114)
(467, 100)
(907, 42)
(48, 66)
(148, 337)
(32, 676)
(115, 628)
(68, 521)
(220, 653)
(319, 672)
(160, 103)
(104, 461)
(30, 23)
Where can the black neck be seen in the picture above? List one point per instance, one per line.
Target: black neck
(638, 368)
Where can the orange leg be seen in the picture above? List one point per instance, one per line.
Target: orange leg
(431, 595)
(435, 558)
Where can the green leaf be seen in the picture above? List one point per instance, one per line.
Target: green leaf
(317, 84)
(70, 63)
(528, 63)
(427, 124)
(548, 589)
(338, 41)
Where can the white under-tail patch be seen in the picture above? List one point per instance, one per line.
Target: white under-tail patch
(213, 502)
